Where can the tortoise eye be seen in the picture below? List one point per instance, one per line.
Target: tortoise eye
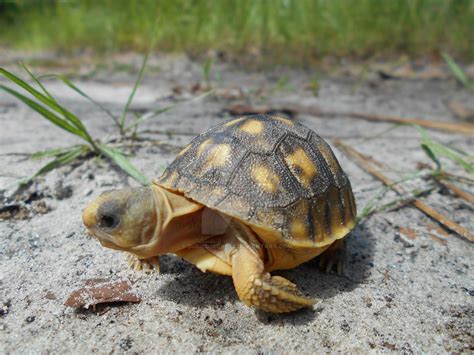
(109, 221)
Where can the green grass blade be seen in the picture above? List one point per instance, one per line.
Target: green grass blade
(453, 155)
(206, 69)
(38, 82)
(51, 153)
(61, 160)
(51, 103)
(134, 90)
(434, 149)
(371, 205)
(118, 158)
(79, 130)
(83, 94)
(157, 112)
(52, 117)
(427, 149)
(149, 115)
(457, 71)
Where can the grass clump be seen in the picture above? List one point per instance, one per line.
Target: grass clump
(435, 151)
(48, 107)
(282, 30)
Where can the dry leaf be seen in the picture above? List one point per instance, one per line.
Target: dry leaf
(436, 228)
(410, 233)
(437, 239)
(99, 291)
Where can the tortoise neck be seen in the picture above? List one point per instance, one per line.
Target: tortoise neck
(179, 221)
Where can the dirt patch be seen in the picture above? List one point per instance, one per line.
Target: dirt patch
(404, 288)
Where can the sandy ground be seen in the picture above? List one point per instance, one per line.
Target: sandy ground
(404, 293)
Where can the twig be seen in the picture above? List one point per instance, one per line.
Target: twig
(291, 109)
(464, 128)
(446, 222)
(458, 191)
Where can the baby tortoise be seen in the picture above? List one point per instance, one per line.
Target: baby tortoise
(249, 196)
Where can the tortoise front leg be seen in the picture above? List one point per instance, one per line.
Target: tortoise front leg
(147, 265)
(258, 288)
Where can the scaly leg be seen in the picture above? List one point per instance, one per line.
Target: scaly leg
(335, 255)
(147, 265)
(256, 287)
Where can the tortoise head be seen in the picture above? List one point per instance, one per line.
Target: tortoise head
(122, 219)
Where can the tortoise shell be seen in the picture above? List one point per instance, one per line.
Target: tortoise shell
(274, 174)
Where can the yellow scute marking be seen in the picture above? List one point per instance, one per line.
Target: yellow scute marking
(299, 229)
(252, 127)
(171, 179)
(203, 146)
(185, 149)
(330, 158)
(265, 178)
(219, 155)
(233, 122)
(284, 120)
(300, 159)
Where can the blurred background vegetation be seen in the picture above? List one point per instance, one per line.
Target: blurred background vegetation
(295, 31)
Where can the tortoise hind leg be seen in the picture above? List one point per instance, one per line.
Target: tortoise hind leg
(334, 256)
(259, 289)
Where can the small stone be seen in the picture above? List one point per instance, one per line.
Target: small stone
(40, 207)
(63, 192)
(345, 326)
(50, 296)
(126, 343)
(5, 309)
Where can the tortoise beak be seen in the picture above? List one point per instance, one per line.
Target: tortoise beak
(89, 216)
(88, 219)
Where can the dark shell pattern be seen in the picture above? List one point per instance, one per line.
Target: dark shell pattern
(271, 172)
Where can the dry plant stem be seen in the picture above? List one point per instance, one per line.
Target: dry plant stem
(464, 127)
(457, 191)
(367, 165)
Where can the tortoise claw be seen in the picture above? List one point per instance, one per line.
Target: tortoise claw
(334, 257)
(146, 265)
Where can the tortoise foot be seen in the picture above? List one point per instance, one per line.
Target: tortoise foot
(334, 257)
(273, 294)
(146, 265)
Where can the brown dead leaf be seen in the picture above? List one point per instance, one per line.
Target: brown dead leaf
(437, 239)
(200, 88)
(433, 227)
(410, 233)
(422, 166)
(230, 93)
(94, 281)
(98, 291)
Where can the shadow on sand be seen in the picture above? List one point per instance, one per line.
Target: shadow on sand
(197, 289)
